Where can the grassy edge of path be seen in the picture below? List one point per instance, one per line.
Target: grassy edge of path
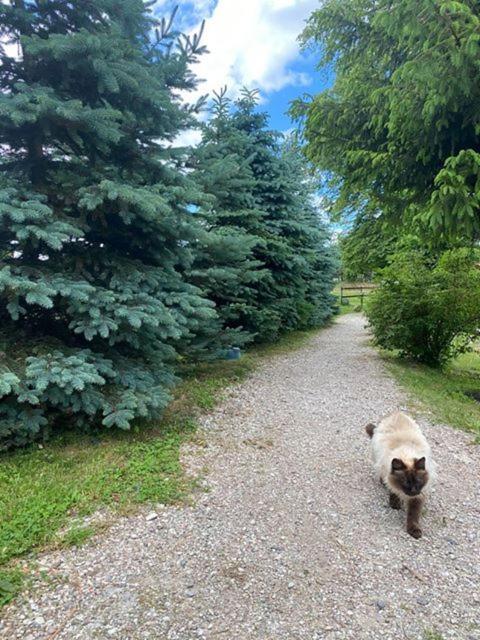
(48, 490)
(443, 393)
(440, 393)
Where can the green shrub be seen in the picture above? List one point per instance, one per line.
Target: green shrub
(428, 311)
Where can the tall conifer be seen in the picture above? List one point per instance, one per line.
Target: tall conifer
(295, 249)
(262, 200)
(226, 266)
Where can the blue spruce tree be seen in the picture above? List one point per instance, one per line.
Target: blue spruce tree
(96, 234)
(317, 260)
(225, 266)
(280, 264)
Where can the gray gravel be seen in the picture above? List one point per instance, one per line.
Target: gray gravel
(294, 538)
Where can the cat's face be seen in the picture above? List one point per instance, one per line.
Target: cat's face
(410, 479)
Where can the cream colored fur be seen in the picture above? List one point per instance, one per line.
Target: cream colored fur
(398, 436)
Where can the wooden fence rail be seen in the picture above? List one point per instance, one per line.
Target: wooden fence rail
(361, 290)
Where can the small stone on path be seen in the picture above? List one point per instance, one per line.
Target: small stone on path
(151, 516)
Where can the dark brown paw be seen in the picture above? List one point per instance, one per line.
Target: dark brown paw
(395, 501)
(414, 531)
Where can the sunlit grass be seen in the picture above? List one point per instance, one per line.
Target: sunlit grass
(444, 393)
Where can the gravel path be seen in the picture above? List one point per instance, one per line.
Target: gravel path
(294, 538)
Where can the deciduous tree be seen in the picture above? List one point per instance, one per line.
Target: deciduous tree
(401, 124)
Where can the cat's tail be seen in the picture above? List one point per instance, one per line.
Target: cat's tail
(370, 428)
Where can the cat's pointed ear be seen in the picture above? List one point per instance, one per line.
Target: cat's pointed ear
(420, 464)
(398, 465)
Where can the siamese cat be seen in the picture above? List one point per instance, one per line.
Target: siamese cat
(403, 461)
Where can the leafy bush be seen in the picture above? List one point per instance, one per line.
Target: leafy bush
(429, 312)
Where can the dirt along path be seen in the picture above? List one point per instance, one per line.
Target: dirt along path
(294, 538)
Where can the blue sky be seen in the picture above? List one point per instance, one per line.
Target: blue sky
(254, 43)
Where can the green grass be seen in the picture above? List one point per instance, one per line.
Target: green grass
(40, 489)
(353, 307)
(77, 535)
(11, 582)
(47, 490)
(442, 392)
(432, 635)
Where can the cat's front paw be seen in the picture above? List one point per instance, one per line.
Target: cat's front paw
(414, 531)
(395, 501)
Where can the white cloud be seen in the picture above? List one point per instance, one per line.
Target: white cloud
(252, 43)
(188, 138)
(13, 50)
